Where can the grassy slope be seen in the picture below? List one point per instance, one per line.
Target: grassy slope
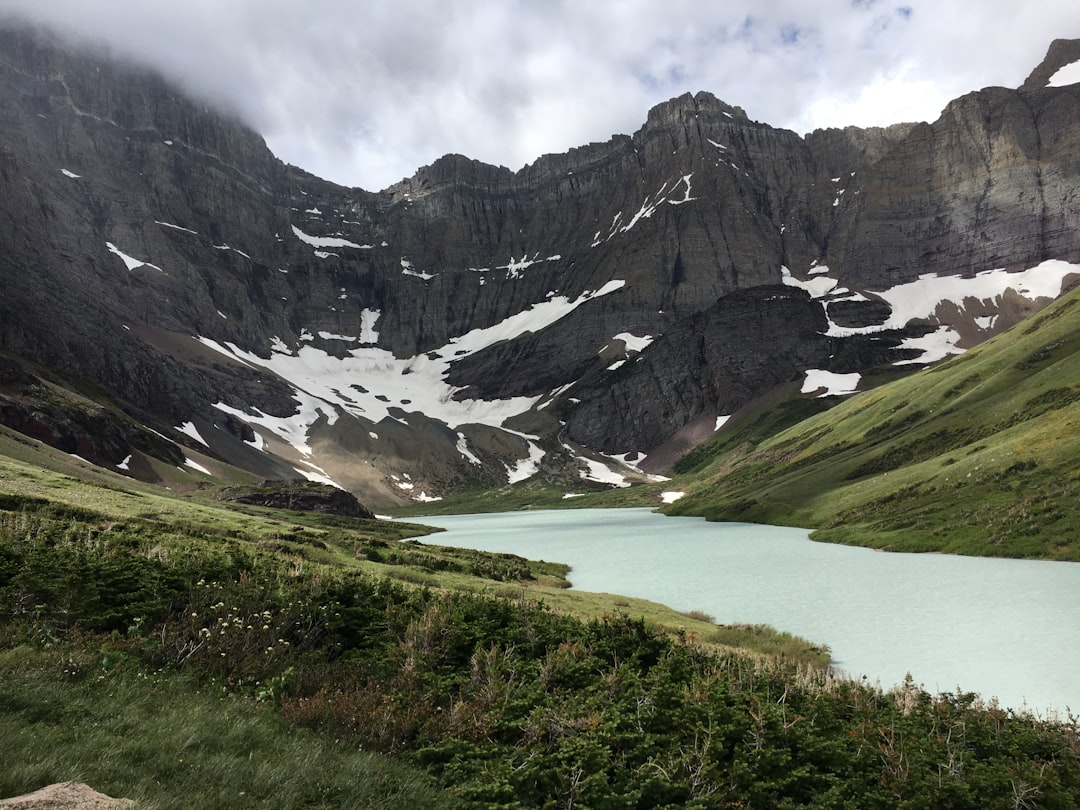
(33, 475)
(975, 456)
(168, 742)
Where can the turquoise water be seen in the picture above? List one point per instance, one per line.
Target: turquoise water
(1004, 628)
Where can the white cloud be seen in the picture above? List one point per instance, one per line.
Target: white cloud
(365, 93)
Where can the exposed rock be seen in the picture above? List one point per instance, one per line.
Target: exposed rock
(301, 496)
(66, 796)
(1062, 52)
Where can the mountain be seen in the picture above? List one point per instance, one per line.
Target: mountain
(974, 456)
(587, 319)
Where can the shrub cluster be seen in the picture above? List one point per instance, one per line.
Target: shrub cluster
(511, 704)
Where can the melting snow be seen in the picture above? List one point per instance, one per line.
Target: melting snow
(817, 287)
(196, 466)
(175, 227)
(332, 336)
(633, 342)
(313, 472)
(986, 322)
(291, 429)
(833, 383)
(671, 497)
(407, 269)
(527, 467)
(72, 175)
(717, 145)
(1065, 75)
(686, 196)
(234, 250)
(648, 208)
(130, 262)
(326, 241)
(368, 318)
(123, 465)
(934, 346)
(720, 422)
(323, 383)
(463, 448)
(617, 364)
(189, 429)
(551, 397)
(601, 473)
(920, 298)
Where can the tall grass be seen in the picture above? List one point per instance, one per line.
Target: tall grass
(169, 743)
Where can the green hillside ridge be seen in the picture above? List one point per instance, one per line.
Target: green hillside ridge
(978, 455)
(300, 661)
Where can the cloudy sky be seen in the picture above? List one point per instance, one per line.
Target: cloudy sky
(364, 92)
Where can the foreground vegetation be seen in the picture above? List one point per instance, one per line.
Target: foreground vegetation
(975, 456)
(225, 672)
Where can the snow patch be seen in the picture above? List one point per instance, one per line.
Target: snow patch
(407, 269)
(1065, 75)
(818, 287)
(368, 319)
(175, 227)
(525, 468)
(189, 429)
(833, 383)
(315, 473)
(720, 422)
(123, 465)
(671, 496)
(368, 379)
(935, 346)
(326, 241)
(601, 473)
(332, 336)
(130, 262)
(633, 342)
(72, 175)
(463, 448)
(196, 466)
(686, 196)
(921, 298)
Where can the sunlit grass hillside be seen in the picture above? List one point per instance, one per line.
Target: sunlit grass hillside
(978, 455)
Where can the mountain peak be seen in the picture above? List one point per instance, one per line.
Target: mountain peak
(1060, 54)
(690, 105)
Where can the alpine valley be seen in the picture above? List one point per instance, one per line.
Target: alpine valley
(873, 333)
(176, 296)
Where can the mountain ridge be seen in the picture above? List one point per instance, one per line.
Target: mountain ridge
(137, 220)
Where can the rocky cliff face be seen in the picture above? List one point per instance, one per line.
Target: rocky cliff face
(410, 341)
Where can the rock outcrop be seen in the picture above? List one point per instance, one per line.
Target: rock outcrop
(66, 796)
(301, 496)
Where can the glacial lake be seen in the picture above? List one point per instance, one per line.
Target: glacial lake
(1004, 628)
